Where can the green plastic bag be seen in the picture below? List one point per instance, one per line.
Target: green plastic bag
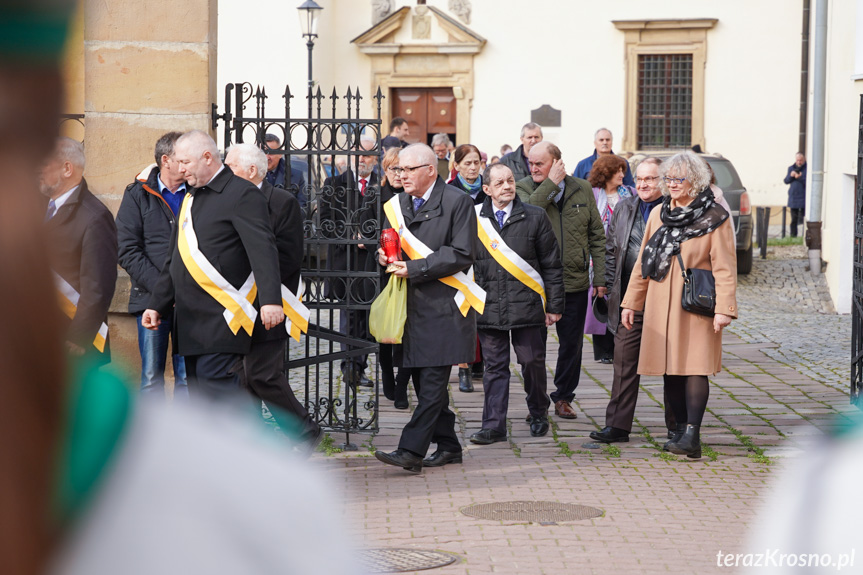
(389, 312)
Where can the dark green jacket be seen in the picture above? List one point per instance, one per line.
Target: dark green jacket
(578, 227)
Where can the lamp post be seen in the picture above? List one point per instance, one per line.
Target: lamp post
(309, 12)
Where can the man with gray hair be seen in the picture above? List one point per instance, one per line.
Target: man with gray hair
(437, 224)
(223, 235)
(441, 145)
(277, 168)
(602, 141)
(82, 247)
(263, 366)
(144, 221)
(517, 160)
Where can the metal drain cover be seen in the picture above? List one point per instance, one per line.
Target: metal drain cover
(402, 560)
(545, 512)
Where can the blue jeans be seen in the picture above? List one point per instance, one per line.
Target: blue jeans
(153, 345)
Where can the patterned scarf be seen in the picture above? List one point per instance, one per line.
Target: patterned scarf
(473, 188)
(700, 217)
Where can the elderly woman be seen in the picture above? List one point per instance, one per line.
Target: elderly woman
(468, 178)
(681, 346)
(606, 178)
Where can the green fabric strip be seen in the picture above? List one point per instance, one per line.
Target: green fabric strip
(99, 410)
(31, 36)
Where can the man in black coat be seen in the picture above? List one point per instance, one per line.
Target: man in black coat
(82, 244)
(233, 235)
(347, 205)
(144, 221)
(796, 178)
(264, 365)
(437, 335)
(520, 237)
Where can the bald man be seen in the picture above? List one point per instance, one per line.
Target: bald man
(223, 235)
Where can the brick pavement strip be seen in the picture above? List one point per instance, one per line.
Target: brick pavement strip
(785, 379)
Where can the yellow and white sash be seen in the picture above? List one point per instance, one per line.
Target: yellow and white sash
(507, 257)
(239, 311)
(69, 304)
(468, 294)
(297, 315)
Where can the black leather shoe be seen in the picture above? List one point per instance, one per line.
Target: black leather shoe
(401, 403)
(401, 458)
(440, 458)
(610, 435)
(487, 437)
(607, 360)
(364, 381)
(538, 426)
(689, 444)
(464, 382)
(674, 436)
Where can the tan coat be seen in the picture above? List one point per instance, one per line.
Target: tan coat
(674, 341)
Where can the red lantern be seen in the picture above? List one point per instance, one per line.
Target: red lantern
(392, 246)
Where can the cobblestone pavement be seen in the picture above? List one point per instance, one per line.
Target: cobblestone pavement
(784, 382)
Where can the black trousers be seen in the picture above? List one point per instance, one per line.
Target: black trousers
(796, 217)
(529, 346)
(603, 345)
(570, 332)
(215, 376)
(354, 323)
(264, 377)
(432, 420)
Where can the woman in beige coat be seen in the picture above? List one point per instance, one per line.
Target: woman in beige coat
(681, 346)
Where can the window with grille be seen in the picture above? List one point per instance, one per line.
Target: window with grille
(664, 101)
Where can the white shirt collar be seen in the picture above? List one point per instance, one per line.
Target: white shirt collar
(214, 175)
(64, 198)
(427, 195)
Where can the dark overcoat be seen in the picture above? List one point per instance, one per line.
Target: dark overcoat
(232, 223)
(509, 303)
(797, 187)
(287, 223)
(436, 334)
(346, 214)
(82, 243)
(144, 222)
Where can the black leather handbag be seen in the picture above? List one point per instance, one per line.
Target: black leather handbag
(699, 290)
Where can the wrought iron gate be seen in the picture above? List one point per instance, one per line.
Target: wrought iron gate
(341, 227)
(857, 307)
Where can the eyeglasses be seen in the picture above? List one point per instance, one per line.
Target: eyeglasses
(677, 181)
(647, 180)
(410, 170)
(394, 170)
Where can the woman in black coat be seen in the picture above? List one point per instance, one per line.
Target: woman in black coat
(395, 386)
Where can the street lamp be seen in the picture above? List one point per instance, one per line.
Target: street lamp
(309, 12)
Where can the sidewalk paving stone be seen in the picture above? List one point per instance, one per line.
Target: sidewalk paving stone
(782, 386)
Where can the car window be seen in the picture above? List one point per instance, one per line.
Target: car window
(726, 175)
